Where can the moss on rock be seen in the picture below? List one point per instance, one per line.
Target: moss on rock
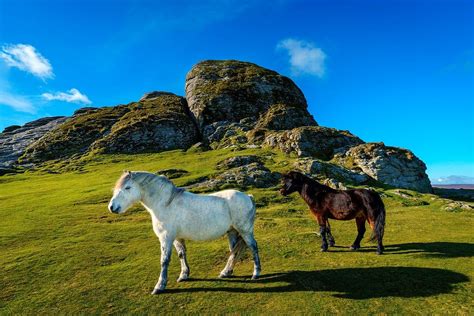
(154, 124)
(230, 90)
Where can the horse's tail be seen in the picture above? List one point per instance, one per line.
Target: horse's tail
(254, 205)
(379, 227)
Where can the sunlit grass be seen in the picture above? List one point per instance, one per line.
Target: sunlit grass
(62, 252)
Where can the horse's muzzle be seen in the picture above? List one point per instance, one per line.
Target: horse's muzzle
(283, 192)
(115, 210)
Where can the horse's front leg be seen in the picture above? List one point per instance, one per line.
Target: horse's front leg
(181, 250)
(323, 231)
(166, 246)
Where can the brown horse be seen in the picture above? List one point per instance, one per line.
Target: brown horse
(327, 203)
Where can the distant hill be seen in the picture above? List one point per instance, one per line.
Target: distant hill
(455, 186)
(457, 180)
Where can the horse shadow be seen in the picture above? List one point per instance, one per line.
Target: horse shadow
(350, 283)
(429, 249)
(433, 249)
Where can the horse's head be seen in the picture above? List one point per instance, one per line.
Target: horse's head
(292, 182)
(126, 193)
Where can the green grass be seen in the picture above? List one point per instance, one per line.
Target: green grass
(62, 252)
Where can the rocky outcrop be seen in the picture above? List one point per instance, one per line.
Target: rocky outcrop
(75, 136)
(229, 104)
(85, 110)
(157, 123)
(311, 141)
(230, 90)
(15, 139)
(224, 134)
(238, 161)
(173, 173)
(253, 174)
(283, 117)
(323, 170)
(393, 166)
(154, 95)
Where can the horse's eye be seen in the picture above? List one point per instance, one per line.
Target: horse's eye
(127, 188)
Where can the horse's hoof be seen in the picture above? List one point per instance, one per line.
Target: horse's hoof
(254, 277)
(379, 252)
(157, 291)
(224, 276)
(354, 248)
(332, 243)
(324, 249)
(181, 279)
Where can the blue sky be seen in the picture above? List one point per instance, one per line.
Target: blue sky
(401, 72)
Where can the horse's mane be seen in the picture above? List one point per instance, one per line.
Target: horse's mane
(312, 188)
(159, 181)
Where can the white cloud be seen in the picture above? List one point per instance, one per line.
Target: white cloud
(16, 102)
(27, 58)
(73, 95)
(305, 57)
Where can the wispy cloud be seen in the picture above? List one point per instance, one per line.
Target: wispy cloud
(73, 96)
(18, 103)
(305, 57)
(27, 58)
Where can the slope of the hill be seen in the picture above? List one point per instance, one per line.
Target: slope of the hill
(63, 252)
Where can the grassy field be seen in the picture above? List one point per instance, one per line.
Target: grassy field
(62, 252)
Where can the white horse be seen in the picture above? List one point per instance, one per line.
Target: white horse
(178, 215)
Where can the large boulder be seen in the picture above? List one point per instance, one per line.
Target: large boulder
(158, 122)
(15, 139)
(310, 141)
(230, 90)
(393, 166)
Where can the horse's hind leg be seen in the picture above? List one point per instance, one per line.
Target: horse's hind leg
(181, 250)
(252, 244)
(360, 221)
(236, 245)
(323, 231)
(330, 237)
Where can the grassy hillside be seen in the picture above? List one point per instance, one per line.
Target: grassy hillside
(62, 252)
